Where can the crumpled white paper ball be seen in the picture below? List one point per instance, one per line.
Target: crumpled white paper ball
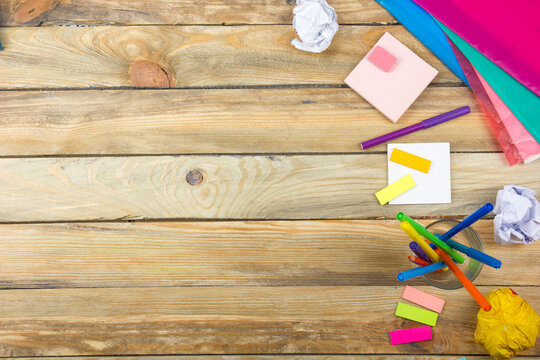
(517, 217)
(316, 24)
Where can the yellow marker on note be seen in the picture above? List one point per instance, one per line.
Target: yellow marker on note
(410, 160)
(395, 189)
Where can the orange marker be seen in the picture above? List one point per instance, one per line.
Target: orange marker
(467, 284)
(420, 262)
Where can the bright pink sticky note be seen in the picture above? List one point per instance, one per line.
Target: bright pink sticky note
(423, 299)
(382, 58)
(404, 336)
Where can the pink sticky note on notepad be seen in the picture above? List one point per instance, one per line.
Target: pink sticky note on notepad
(391, 92)
(404, 336)
(423, 299)
(382, 58)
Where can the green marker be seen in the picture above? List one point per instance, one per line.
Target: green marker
(422, 231)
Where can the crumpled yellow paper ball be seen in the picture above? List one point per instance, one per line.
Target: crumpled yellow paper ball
(510, 327)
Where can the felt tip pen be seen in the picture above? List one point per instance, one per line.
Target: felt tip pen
(467, 284)
(417, 250)
(425, 233)
(413, 234)
(468, 221)
(419, 271)
(425, 124)
(474, 254)
(417, 261)
(420, 262)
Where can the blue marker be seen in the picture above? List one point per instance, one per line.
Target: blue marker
(474, 254)
(468, 221)
(412, 273)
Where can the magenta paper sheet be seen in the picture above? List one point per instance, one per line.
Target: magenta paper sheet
(505, 31)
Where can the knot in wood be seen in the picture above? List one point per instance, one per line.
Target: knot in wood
(149, 74)
(28, 10)
(195, 177)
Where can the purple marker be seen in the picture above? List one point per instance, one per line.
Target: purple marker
(413, 245)
(436, 120)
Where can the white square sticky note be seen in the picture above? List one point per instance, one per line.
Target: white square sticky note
(431, 188)
(393, 91)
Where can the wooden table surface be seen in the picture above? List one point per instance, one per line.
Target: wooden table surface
(176, 179)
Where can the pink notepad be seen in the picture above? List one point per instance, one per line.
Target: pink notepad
(423, 299)
(392, 91)
(404, 336)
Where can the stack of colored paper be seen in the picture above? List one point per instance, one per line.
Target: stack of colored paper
(414, 313)
(495, 52)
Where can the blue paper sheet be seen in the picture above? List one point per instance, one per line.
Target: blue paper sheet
(424, 28)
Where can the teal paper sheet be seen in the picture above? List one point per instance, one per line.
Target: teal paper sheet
(520, 100)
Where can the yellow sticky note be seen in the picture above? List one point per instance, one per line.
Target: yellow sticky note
(395, 189)
(417, 314)
(410, 160)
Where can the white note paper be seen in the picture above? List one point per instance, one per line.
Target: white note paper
(431, 188)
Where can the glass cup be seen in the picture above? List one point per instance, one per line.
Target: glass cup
(471, 268)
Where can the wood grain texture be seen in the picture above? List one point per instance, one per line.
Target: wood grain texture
(133, 12)
(222, 121)
(234, 320)
(234, 187)
(272, 357)
(290, 253)
(89, 57)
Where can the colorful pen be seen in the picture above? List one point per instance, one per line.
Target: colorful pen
(413, 234)
(421, 262)
(475, 254)
(417, 261)
(417, 250)
(425, 233)
(468, 221)
(422, 270)
(467, 284)
(436, 120)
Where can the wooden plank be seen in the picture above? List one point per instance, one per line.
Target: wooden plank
(237, 320)
(222, 121)
(233, 187)
(67, 12)
(272, 357)
(297, 253)
(169, 56)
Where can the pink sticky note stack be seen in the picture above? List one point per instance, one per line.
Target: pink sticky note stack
(404, 336)
(423, 299)
(422, 333)
(391, 77)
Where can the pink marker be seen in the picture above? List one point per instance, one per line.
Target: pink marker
(423, 299)
(404, 336)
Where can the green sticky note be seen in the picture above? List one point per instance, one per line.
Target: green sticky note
(416, 314)
(523, 103)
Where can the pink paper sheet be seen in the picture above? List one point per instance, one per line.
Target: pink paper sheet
(404, 336)
(505, 31)
(423, 299)
(501, 134)
(526, 145)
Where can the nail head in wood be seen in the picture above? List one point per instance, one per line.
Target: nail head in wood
(195, 177)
